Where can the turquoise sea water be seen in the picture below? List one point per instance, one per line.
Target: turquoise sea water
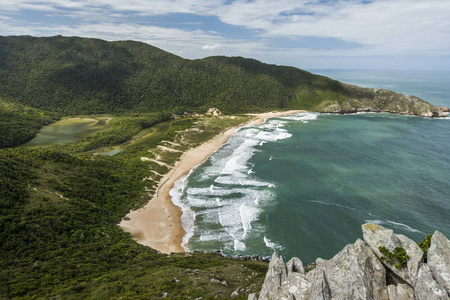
(304, 184)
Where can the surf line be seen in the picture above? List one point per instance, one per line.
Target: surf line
(159, 223)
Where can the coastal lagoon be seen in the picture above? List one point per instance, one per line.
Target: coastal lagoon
(76, 129)
(65, 131)
(303, 185)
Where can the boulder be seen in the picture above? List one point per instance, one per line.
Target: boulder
(295, 265)
(275, 276)
(400, 292)
(415, 253)
(426, 288)
(439, 260)
(376, 236)
(320, 288)
(285, 281)
(252, 296)
(354, 273)
(357, 272)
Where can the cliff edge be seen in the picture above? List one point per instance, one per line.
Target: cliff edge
(380, 100)
(383, 266)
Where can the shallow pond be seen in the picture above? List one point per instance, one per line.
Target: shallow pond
(65, 131)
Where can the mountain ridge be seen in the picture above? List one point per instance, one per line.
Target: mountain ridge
(66, 76)
(51, 72)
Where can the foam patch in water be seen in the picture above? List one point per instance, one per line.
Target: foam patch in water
(228, 196)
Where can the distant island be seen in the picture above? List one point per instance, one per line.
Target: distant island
(61, 203)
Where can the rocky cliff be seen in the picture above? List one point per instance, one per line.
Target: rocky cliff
(383, 266)
(380, 100)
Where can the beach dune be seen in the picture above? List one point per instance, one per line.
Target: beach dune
(158, 224)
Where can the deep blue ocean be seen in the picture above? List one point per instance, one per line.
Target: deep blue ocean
(303, 185)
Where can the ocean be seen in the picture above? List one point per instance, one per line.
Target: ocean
(303, 184)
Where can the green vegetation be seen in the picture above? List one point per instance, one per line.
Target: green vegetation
(424, 245)
(60, 205)
(65, 131)
(20, 123)
(398, 259)
(70, 76)
(121, 129)
(59, 211)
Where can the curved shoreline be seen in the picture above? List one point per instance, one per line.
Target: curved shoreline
(158, 224)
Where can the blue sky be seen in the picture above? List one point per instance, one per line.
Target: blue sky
(309, 34)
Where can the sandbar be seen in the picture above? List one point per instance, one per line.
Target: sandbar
(158, 224)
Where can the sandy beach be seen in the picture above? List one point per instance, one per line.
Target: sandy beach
(158, 223)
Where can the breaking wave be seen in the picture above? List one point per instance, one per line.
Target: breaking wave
(226, 197)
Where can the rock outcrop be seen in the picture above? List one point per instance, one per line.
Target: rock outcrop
(439, 260)
(380, 100)
(376, 236)
(359, 271)
(443, 109)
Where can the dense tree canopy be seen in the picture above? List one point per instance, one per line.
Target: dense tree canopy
(62, 76)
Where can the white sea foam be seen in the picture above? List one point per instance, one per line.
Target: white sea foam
(188, 215)
(334, 204)
(239, 246)
(228, 207)
(304, 117)
(404, 226)
(272, 245)
(208, 237)
(248, 215)
(409, 228)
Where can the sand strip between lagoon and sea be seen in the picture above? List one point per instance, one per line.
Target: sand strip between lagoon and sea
(158, 224)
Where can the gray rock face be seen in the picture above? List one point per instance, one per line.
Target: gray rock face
(439, 260)
(354, 273)
(357, 272)
(426, 288)
(320, 289)
(376, 236)
(275, 276)
(252, 296)
(295, 265)
(400, 292)
(284, 281)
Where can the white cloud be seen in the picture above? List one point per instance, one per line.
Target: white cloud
(382, 28)
(391, 26)
(211, 47)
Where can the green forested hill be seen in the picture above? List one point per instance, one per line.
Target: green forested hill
(79, 76)
(72, 75)
(61, 76)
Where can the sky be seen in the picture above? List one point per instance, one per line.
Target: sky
(309, 34)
